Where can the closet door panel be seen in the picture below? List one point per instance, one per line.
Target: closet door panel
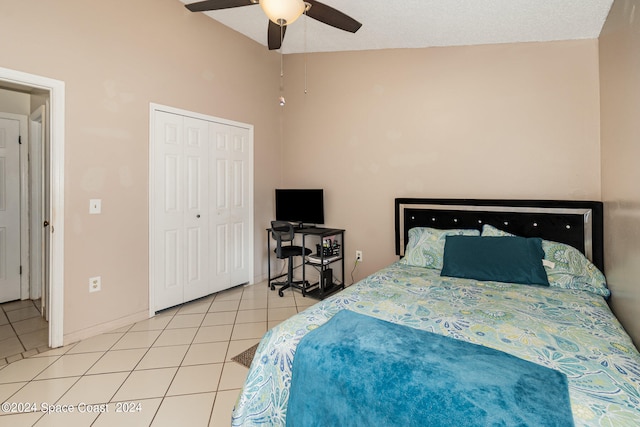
(202, 207)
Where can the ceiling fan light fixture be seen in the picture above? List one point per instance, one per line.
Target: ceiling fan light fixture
(283, 12)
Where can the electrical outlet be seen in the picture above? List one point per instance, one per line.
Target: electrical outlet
(358, 256)
(95, 284)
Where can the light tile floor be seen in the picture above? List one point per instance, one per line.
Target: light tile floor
(23, 331)
(174, 369)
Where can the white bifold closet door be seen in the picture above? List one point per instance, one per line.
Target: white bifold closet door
(232, 210)
(203, 208)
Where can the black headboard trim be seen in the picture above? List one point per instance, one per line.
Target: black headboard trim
(577, 223)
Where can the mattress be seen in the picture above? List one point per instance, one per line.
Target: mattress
(570, 330)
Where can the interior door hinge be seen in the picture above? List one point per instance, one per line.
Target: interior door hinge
(20, 139)
(21, 270)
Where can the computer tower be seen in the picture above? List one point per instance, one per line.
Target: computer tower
(327, 278)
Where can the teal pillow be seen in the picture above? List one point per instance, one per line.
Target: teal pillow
(426, 246)
(508, 259)
(566, 266)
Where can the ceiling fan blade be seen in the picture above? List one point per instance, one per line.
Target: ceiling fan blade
(331, 16)
(207, 5)
(274, 37)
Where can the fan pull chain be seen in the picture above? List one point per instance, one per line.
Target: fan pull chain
(306, 7)
(281, 100)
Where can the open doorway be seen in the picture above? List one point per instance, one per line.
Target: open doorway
(40, 101)
(24, 291)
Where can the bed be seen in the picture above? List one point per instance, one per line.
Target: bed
(565, 326)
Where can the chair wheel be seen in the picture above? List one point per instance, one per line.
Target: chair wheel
(280, 293)
(273, 288)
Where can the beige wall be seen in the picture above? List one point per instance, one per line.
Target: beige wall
(115, 58)
(14, 102)
(620, 107)
(500, 121)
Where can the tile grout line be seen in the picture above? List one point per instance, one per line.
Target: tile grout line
(162, 399)
(132, 370)
(247, 297)
(25, 353)
(224, 360)
(207, 311)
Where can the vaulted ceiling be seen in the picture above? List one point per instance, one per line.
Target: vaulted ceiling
(390, 24)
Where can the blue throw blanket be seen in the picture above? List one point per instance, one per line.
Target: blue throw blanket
(356, 370)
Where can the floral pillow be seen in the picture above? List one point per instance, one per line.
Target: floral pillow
(565, 265)
(426, 246)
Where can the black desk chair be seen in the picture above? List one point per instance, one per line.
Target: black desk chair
(282, 231)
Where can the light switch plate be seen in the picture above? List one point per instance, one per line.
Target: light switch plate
(95, 206)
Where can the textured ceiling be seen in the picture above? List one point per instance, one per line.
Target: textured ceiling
(390, 24)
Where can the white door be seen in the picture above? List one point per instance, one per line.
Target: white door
(231, 224)
(181, 207)
(201, 206)
(196, 208)
(38, 209)
(9, 210)
(36, 204)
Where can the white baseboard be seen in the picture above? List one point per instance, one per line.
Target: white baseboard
(259, 279)
(104, 327)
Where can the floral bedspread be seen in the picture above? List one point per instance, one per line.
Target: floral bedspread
(572, 331)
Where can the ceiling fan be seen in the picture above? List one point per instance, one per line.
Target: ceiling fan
(282, 13)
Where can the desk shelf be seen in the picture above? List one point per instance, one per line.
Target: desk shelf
(326, 284)
(321, 294)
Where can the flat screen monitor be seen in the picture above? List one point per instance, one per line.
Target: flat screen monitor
(304, 206)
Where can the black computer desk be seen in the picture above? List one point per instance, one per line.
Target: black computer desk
(327, 283)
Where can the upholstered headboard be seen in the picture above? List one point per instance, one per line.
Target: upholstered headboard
(576, 223)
